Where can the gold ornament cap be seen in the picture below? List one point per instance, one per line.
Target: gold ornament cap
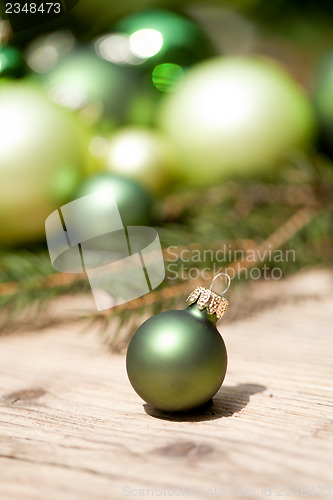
(206, 298)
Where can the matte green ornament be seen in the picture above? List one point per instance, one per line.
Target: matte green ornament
(177, 360)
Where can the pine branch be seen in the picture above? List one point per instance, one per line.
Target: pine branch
(297, 222)
(281, 236)
(232, 214)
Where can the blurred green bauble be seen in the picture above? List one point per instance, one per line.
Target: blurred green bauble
(141, 154)
(236, 115)
(42, 157)
(11, 62)
(323, 97)
(159, 43)
(98, 89)
(159, 35)
(133, 201)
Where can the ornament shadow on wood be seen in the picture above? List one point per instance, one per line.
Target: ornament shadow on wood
(177, 360)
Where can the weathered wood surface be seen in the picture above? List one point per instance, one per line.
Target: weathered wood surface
(72, 428)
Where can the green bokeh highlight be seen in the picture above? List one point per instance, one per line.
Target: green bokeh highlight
(167, 77)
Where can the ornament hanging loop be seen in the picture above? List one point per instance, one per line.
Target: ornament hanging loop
(206, 298)
(228, 284)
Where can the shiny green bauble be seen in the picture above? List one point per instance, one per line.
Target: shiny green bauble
(43, 155)
(134, 202)
(158, 35)
(158, 44)
(177, 360)
(141, 154)
(11, 62)
(236, 116)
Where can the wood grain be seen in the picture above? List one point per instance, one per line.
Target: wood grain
(72, 428)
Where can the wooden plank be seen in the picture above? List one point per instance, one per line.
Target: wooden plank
(71, 427)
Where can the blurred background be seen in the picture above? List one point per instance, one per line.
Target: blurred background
(211, 121)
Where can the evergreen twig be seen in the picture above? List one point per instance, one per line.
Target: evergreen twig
(237, 214)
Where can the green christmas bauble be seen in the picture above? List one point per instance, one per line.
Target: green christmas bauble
(11, 62)
(159, 43)
(43, 155)
(143, 155)
(159, 35)
(323, 97)
(177, 360)
(134, 201)
(236, 115)
(97, 89)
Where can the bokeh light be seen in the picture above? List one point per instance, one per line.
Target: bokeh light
(167, 77)
(43, 54)
(130, 152)
(224, 104)
(114, 48)
(146, 43)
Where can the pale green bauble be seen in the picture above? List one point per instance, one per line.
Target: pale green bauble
(141, 154)
(236, 116)
(42, 158)
(97, 89)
